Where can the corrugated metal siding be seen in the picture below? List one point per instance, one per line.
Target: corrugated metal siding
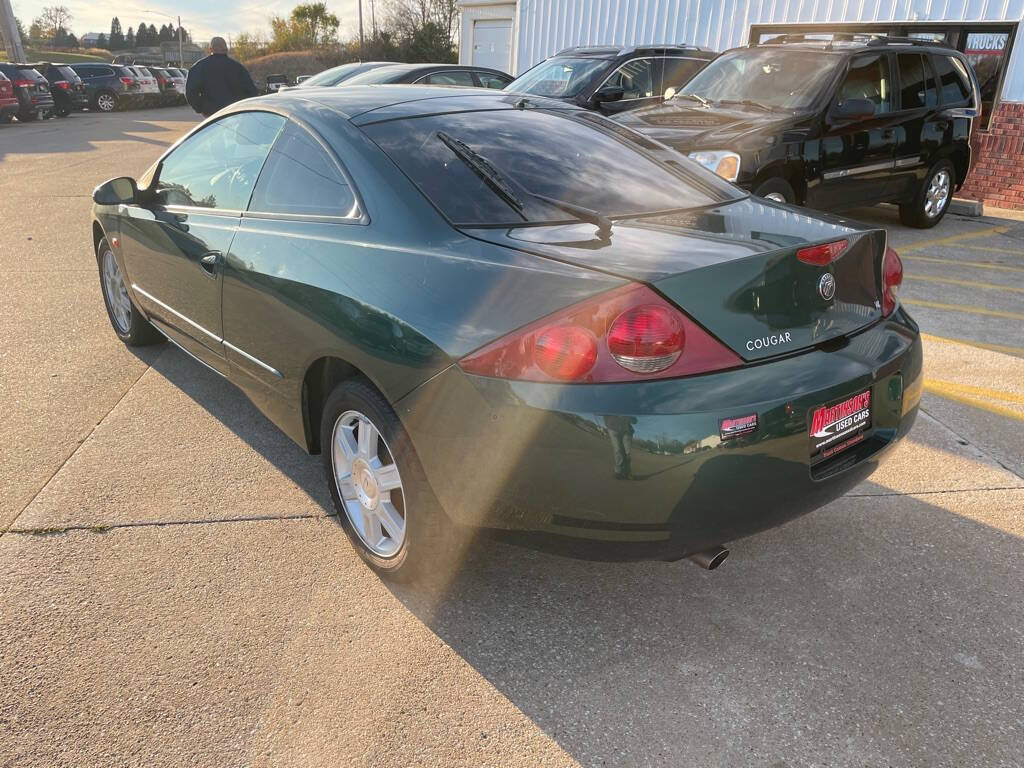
(547, 26)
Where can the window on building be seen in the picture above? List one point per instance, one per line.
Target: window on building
(868, 78)
(986, 53)
(917, 86)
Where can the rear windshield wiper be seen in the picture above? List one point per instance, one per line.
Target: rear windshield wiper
(482, 167)
(504, 186)
(693, 97)
(747, 103)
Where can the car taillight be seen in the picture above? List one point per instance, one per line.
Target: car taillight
(128, 80)
(892, 279)
(627, 334)
(822, 255)
(25, 83)
(62, 84)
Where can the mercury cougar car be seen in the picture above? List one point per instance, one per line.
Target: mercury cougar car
(487, 311)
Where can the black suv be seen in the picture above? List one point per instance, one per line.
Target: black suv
(613, 79)
(109, 86)
(32, 90)
(830, 123)
(66, 87)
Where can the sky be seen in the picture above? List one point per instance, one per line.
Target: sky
(202, 18)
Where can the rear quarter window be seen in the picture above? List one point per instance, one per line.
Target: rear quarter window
(954, 82)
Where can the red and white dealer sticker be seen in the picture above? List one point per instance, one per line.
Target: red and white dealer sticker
(837, 427)
(738, 426)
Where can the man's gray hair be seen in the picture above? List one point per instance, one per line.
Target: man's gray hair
(217, 45)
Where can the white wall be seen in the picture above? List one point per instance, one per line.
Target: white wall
(484, 9)
(546, 26)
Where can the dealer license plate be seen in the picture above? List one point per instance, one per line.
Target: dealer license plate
(842, 425)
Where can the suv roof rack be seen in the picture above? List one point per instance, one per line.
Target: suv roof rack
(828, 39)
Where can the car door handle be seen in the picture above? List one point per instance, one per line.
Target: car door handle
(209, 263)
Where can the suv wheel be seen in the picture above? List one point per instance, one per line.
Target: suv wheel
(932, 199)
(378, 486)
(777, 190)
(106, 101)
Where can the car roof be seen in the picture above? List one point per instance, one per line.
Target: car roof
(611, 51)
(847, 43)
(390, 102)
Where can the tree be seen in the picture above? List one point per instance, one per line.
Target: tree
(101, 41)
(21, 29)
(424, 30)
(53, 19)
(116, 38)
(71, 41)
(309, 26)
(35, 32)
(248, 46)
(129, 39)
(321, 26)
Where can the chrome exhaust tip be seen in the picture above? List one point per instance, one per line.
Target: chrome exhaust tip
(711, 558)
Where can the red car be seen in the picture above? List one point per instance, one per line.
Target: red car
(8, 101)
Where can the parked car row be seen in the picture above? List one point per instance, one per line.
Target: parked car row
(48, 89)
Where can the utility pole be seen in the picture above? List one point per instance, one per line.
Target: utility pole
(9, 32)
(360, 30)
(373, 20)
(181, 57)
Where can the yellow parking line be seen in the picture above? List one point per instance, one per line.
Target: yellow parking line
(969, 283)
(961, 263)
(938, 388)
(1019, 351)
(964, 308)
(971, 390)
(951, 239)
(991, 249)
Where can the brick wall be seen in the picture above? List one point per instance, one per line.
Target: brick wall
(997, 176)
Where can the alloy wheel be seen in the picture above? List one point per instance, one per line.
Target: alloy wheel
(369, 483)
(117, 295)
(937, 194)
(776, 197)
(106, 102)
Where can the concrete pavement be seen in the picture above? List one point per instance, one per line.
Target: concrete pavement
(173, 592)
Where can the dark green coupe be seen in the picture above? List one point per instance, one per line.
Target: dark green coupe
(510, 313)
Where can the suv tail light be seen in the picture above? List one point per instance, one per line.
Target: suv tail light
(892, 279)
(627, 334)
(64, 85)
(25, 83)
(128, 80)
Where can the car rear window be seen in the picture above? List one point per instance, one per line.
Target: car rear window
(568, 156)
(68, 74)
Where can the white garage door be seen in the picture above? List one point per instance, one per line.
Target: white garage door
(492, 43)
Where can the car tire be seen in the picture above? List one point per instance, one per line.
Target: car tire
(932, 199)
(6, 118)
(105, 101)
(27, 117)
(776, 189)
(63, 111)
(418, 538)
(128, 323)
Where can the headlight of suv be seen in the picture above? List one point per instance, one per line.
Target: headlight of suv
(726, 164)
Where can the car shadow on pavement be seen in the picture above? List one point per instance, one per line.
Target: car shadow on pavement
(81, 132)
(875, 631)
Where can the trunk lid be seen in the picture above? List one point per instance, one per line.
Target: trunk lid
(734, 269)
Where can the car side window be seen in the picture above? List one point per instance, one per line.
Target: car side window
(678, 72)
(301, 178)
(454, 77)
(491, 80)
(218, 166)
(868, 78)
(954, 83)
(917, 86)
(636, 78)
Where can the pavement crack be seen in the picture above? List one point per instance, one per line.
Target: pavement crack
(52, 530)
(936, 492)
(964, 441)
(78, 447)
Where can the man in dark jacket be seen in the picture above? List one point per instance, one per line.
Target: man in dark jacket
(216, 81)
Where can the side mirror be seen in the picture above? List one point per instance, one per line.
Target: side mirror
(854, 109)
(608, 93)
(120, 191)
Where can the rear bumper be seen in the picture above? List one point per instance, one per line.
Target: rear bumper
(639, 471)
